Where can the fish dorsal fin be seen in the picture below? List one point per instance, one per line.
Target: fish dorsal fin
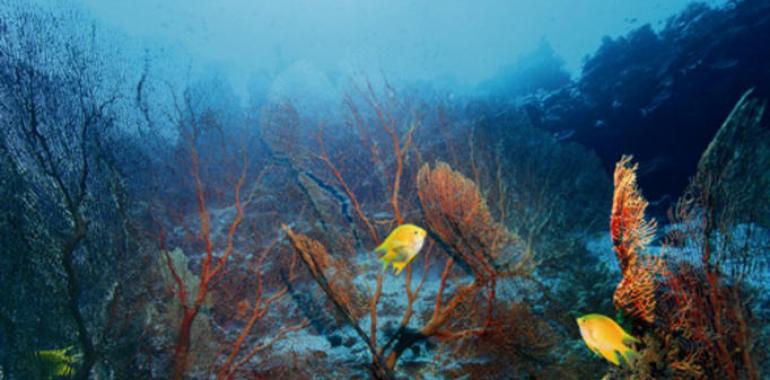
(629, 340)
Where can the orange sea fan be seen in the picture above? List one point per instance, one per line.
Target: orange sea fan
(629, 231)
(630, 234)
(457, 212)
(635, 294)
(336, 278)
(688, 367)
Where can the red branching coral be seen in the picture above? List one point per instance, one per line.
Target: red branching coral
(695, 312)
(457, 212)
(518, 348)
(317, 259)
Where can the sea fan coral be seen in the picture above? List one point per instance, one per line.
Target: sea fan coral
(635, 294)
(456, 211)
(334, 278)
(694, 301)
(708, 288)
(629, 231)
(630, 234)
(520, 347)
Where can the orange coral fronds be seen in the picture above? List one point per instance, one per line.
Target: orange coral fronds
(630, 234)
(456, 211)
(629, 231)
(332, 273)
(342, 295)
(635, 294)
(688, 367)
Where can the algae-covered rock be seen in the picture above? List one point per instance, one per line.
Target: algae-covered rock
(733, 169)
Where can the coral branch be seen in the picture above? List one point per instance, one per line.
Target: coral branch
(629, 231)
(324, 157)
(181, 288)
(630, 234)
(234, 224)
(277, 337)
(259, 310)
(315, 258)
(457, 213)
(207, 273)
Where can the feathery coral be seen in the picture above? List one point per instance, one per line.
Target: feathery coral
(630, 234)
(331, 272)
(635, 294)
(317, 259)
(456, 211)
(698, 307)
(629, 231)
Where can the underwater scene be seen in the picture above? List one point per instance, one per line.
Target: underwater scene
(384, 189)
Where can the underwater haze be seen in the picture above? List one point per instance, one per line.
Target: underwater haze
(381, 189)
(452, 44)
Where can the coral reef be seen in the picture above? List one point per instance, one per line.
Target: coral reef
(457, 216)
(630, 234)
(153, 227)
(457, 213)
(692, 298)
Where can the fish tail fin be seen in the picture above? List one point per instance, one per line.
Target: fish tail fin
(630, 355)
(381, 248)
(385, 261)
(398, 267)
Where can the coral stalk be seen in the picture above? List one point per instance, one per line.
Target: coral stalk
(207, 273)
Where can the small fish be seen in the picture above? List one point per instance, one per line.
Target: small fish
(606, 338)
(564, 135)
(58, 362)
(401, 246)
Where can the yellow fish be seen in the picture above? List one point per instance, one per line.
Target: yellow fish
(401, 246)
(59, 362)
(606, 338)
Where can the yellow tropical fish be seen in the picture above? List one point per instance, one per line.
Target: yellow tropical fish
(59, 363)
(606, 338)
(401, 246)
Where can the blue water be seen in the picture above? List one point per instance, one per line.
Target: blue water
(212, 190)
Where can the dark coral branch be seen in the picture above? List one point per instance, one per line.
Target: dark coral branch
(258, 311)
(310, 252)
(324, 157)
